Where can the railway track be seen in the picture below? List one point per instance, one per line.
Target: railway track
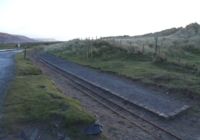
(114, 103)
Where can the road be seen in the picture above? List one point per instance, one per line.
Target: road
(7, 70)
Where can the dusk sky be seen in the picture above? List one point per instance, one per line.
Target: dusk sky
(68, 19)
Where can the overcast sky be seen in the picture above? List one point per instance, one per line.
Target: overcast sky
(68, 19)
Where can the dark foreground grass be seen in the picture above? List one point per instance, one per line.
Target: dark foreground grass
(33, 98)
(183, 76)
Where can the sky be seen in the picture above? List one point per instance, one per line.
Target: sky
(69, 19)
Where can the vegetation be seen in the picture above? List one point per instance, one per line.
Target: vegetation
(8, 46)
(177, 69)
(25, 45)
(33, 98)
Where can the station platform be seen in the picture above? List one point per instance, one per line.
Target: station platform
(148, 99)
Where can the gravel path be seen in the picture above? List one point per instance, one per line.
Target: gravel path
(160, 104)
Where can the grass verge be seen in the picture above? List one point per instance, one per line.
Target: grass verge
(33, 98)
(8, 46)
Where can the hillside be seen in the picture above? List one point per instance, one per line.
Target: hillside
(9, 38)
(182, 36)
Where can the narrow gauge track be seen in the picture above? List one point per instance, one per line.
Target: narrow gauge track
(113, 103)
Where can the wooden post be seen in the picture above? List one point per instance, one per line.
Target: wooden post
(156, 45)
(143, 49)
(25, 53)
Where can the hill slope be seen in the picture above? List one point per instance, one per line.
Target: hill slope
(9, 38)
(187, 36)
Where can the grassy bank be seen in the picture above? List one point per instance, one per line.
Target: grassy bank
(33, 98)
(8, 46)
(180, 75)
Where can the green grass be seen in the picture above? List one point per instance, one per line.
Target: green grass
(33, 98)
(180, 76)
(8, 46)
(25, 67)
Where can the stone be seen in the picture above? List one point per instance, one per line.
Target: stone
(94, 129)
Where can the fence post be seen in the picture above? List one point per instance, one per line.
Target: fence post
(24, 52)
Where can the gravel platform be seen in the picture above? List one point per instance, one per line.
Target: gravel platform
(160, 104)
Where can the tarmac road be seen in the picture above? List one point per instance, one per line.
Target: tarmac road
(7, 71)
